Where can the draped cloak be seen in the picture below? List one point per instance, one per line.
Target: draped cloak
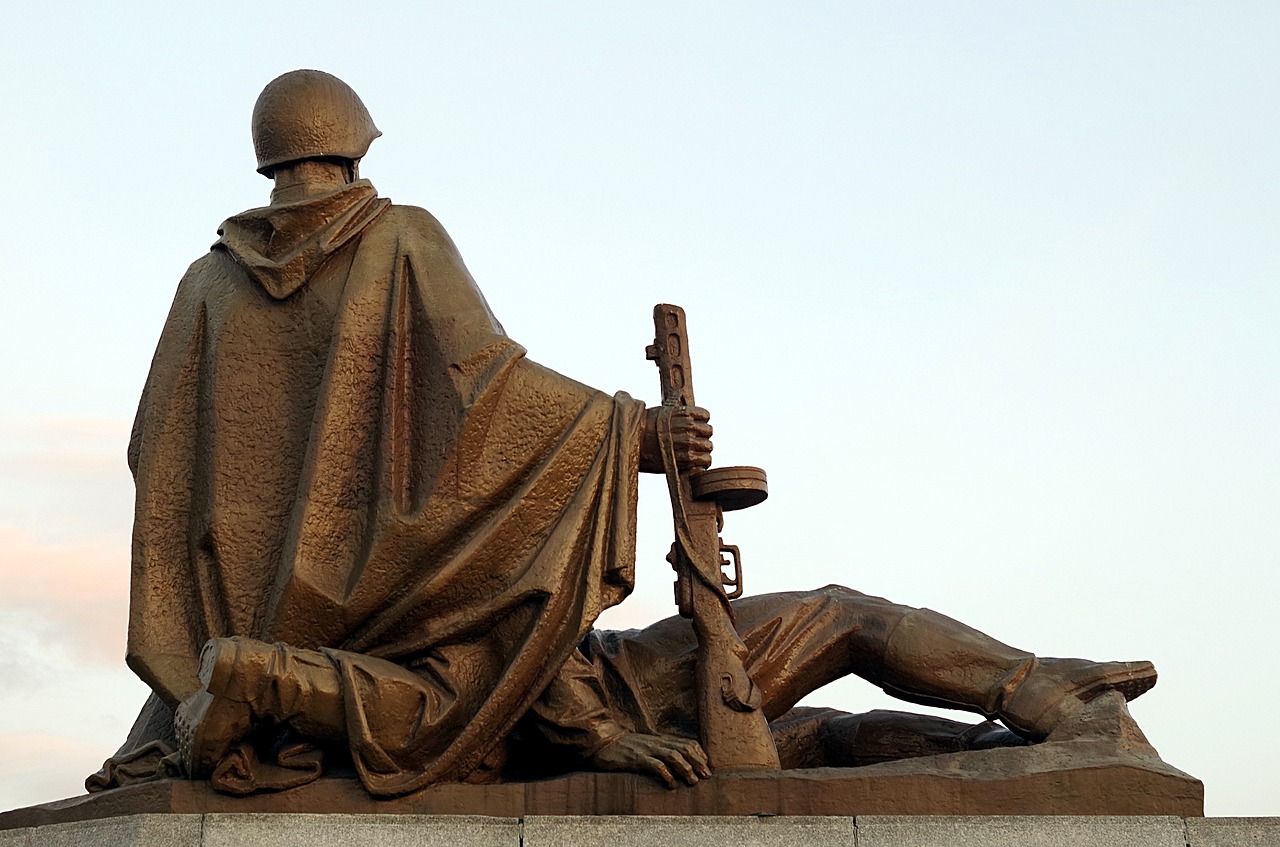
(339, 447)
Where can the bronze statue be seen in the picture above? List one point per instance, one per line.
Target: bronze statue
(370, 534)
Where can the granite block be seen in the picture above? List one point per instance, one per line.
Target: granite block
(289, 830)
(701, 831)
(1233, 832)
(127, 831)
(1020, 831)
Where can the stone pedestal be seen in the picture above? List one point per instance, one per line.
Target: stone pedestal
(1098, 766)
(292, 830)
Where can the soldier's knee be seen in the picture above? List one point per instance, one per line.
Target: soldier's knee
(834, 590)
(845, 596)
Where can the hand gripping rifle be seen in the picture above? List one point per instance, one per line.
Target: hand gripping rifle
(734, 731)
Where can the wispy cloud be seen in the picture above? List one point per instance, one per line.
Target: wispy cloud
(75, 595)
(65, 512)
(65, 501)
(64, 479)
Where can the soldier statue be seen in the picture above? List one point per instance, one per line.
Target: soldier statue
(371, 535)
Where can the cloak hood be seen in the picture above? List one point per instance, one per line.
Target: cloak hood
(280, 247)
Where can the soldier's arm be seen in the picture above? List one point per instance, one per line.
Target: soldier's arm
(572, 711)
(690, 436)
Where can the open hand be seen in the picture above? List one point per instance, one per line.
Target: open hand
(663, 756)
(690, 436)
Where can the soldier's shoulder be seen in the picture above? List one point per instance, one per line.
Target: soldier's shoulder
(419, 224)
(414, 218)
(214, 271)
(214, 264)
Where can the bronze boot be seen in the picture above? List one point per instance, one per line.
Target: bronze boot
(937, 661)
(1055, 689)
(246, 683)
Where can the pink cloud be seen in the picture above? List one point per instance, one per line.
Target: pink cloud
(65, 497)
(64, 479)
(54, 431)
(76, 593)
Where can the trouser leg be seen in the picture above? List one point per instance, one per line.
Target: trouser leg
(810, 737)
(796, 643)
(247, 682)
(800, 641)
(392, 721)
(924, 657)
(934, 660)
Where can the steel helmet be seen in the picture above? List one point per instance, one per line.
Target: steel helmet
(306, 115)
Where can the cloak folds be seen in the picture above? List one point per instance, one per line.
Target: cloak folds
(338, 447)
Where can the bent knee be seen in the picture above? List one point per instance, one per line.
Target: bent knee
(843, 595)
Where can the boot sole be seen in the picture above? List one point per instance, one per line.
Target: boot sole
(1130, 682)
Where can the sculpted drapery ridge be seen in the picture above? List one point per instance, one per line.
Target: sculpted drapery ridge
(367, 463)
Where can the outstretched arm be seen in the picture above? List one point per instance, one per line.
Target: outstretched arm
(572, 713)
(665, 756)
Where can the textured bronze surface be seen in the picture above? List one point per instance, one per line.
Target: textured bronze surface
(372, 538)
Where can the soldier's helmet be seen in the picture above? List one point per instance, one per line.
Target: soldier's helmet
(307, 115)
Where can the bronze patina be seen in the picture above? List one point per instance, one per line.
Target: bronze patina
(372, 539)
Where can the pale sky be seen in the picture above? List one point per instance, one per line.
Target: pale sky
(989, 289)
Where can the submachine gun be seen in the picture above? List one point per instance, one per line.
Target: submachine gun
(734, 731)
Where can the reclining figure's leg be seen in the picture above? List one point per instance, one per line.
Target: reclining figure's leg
(809, 737)
(936, 661)
(800, 641)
